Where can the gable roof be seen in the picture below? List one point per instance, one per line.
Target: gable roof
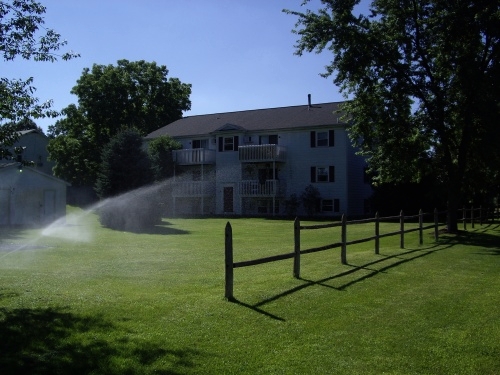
(254, 120)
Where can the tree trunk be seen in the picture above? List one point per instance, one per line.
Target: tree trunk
(454, 200)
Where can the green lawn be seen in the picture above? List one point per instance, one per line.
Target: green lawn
(89, 300)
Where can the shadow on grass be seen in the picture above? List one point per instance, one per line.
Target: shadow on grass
(400, 258)
(481, 236)
(162, 228)
(54, 341)
(486, 237)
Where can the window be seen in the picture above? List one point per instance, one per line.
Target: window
(228, 143)
(330, 205)
(324, 138)
(323, 174)
(200, 143)
(327, 205)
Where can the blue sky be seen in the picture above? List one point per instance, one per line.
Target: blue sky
(237, 54)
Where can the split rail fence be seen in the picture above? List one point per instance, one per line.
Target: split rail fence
(472, 215)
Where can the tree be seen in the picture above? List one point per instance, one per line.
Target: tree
(125, 168)
(160, 153)
(423, 79)
(112, 98)
(125, 165)
(72, 148)
(22, 34)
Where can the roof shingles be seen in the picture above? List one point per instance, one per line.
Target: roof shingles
(254, 120)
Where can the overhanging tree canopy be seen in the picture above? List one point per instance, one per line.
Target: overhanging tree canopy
(423, 78)
(22, 34)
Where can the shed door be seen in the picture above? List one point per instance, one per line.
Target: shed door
(49, 205)
(228, 199)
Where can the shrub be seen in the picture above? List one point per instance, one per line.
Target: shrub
(310, 198)
(160, 153)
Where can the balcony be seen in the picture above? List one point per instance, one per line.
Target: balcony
(262, 153)
(252, 188)
(193, 188)
(194, 156)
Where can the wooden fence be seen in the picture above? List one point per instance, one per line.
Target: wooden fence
(472, 215)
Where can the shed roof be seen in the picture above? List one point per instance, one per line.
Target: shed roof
(254, 120)
(9, 165)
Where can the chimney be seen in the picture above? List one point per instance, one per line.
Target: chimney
(308, 101)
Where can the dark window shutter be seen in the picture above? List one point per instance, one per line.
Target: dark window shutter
(221, 144)
(313, 139)
(273, 139)
(313, 174)
(331, 173)
(331, 138)
(236, 139)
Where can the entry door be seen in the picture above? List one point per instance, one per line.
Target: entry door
(228, 199)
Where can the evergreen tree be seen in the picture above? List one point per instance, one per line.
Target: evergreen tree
(124, 177)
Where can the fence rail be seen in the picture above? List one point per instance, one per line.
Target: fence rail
(343, 243)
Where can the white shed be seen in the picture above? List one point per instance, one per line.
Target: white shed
(29, 197)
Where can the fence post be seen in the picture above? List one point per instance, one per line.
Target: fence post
(343, 249)
(296, 239)
(229, 262)
(377, 233)
(464, 218)
(402, 229)
(472, 216)
(436, 224)
(420, 227)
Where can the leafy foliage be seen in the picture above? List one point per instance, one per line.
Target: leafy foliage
(73, 149)
(423, 77)
(22, 34)
(160, 153)
(112, 98)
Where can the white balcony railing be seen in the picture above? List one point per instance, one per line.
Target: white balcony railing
(253, 188)
(194, 156)
(253, 153)
(193, 188)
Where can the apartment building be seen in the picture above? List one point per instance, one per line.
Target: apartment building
(254, 162)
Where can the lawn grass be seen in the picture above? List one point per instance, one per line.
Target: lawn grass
(90, 300)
